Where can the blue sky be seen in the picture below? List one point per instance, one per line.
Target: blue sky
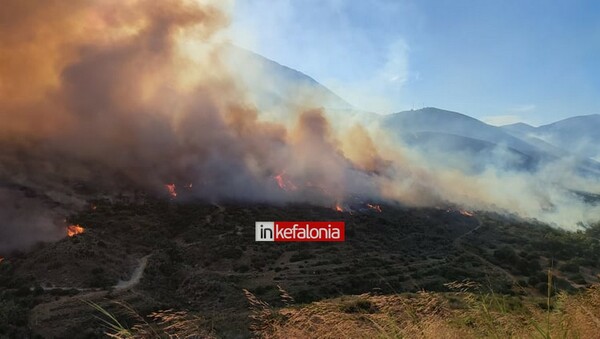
(499, 61)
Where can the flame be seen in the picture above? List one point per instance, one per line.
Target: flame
(466, 213)
(172, 190)
(375, 207)
(338, 207)
(73, 230)
(284, 183)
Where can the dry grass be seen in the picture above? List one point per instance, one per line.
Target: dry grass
(169, 324)
(470, 312)
(581, 314)
(362, 316)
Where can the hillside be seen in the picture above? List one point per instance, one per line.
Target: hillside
(577, 134)
(445, 135)
(273, 86)
(199, 258)
(441, 121)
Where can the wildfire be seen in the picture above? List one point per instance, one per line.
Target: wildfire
(374, 207)
(73, 230)
(338, 207)
(466, 213)
(172, 190)
(284, 183)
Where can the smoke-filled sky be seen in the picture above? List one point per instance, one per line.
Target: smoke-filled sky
(499, 61)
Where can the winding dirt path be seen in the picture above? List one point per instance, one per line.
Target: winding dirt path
(136, 276)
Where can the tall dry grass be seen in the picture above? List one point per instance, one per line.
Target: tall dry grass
(168, 324)
(469, 312)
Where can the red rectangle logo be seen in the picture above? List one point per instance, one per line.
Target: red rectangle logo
(291, 231)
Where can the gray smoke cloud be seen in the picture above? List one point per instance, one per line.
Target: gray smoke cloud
(26, 221)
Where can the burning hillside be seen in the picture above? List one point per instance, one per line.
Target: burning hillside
(73, 230)
(466, 213)
(284, 183)
(172, 190)
(179, 113)
(144, 94)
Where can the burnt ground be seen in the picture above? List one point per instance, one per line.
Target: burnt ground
(198, 257)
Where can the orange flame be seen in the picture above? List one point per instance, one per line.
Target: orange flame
(284, 183)
(73, 230)
(338, 207)
(466, 213)
(172, 190)
(375, 207)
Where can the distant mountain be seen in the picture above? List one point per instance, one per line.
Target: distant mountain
(468, 154)
(519, 127)
(432, 119)
(525, 147)
(273, 86)
(579, 135)
(436, 129)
